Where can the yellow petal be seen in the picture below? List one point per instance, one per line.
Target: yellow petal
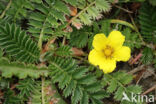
(123, 54)
(95, 57)
(108, 66)
(116, 39)
(99, 41)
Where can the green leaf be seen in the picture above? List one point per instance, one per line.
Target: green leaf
(70, 87)
(147, 57)
(79, 38)
(18, 44)
(80, 72)
(77, 95)
(74, 80)
(60, 6)
(90, 11)
(112, 87)
(135, 89)
(63, 51)
(85, 98)
(87, 79)
(10, 98)
(146, 15)
(119, 93)
(132, 39)
(103, 5)
(20, 70)
(72, 2)
(26, 87)
(100, 94)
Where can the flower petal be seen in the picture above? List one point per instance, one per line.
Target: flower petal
(95, 57)
(99, 41)
(108, 66)
(116, 39)
(123, 54)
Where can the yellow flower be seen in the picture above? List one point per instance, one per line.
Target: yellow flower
(108, 50)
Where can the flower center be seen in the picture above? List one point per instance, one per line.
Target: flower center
(108, 51)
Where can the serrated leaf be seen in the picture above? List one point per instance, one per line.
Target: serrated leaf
(77, 95)
(112, 87)
(119, 93)
(135, 89)
(85, 99)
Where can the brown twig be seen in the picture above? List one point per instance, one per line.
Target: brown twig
(136, 59)
(151, 72)
(136, 69)
(125, 10)
(140, 75)
(149, 90)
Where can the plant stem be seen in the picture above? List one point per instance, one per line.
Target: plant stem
(122, 23)
(123, 9)
(42, 33)
(136, 29)
(7, 7)
(43, 100)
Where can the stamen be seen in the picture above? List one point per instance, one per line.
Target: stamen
(108, 51)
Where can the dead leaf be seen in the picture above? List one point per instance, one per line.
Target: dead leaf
(99, 16)
(73, 10)
(135, 6)
(77, 25)
(77, 52)
(68, 29)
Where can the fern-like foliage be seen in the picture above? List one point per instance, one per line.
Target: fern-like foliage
(74, 81)
(63, 50)
(90, 11)
(147, 19)
(46, 18)
(3, 3)
(132, 39)
(5, 20)
(36, 97)
(79, 38)
(72, 2)
(117, 84)
(26, 87)
(20, 70)
(18, 44)
(10, 98)
(19, 8)
(148, 56)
